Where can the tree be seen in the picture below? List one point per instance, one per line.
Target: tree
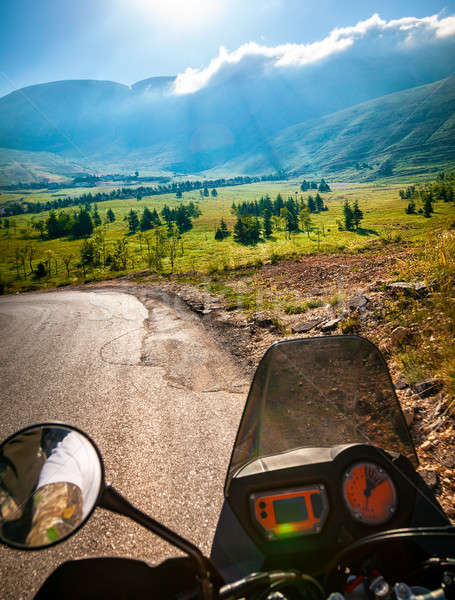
(133, 221)
(39, 226)
(206, 191)
(291, 221)
(52, 226)
(357, 215)
(267, 223)
(219, 235)
(31, 250)
(147, 221)
(214, 192)
(324, 187)
(40, 270)
(311, 204)
(411, 208)
(173, 240)
(305, 220)
(427, 206)
(247, 230)
(319, 202)
(96, 217)
(87, 252)
(224, 228)
(156, 248)
(120, 255)
(110, 215)
(179, 194)
(278, 205)
(348, 216)
(82, 224)
(67, 258)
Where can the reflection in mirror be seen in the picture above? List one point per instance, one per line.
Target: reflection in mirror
(50, 479)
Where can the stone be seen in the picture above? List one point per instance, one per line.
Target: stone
(426, 388)
(330, 325)
(409, 415)
(399, 335)
(357, 302)
(262, 320)
(306, 326)
(430, 477)
(401, 383)
(412, 288)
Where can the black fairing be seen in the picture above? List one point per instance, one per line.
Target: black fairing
(120, 578)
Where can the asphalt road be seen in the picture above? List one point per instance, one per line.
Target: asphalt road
(153, 389)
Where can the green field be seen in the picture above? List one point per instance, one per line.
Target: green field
(384, 221)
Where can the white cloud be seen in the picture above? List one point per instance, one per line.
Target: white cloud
(408, 30)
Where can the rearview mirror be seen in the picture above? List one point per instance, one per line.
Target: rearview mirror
(51, 479)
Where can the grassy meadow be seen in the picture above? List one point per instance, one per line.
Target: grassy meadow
(384, 221)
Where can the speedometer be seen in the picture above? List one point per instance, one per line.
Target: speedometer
(369, 493)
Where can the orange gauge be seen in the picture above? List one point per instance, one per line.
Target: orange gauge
(369, 493)
(285, 513)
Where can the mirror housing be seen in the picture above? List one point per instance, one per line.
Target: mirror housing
(51, 480)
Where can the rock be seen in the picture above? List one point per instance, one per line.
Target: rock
(398, 335)
(330, 325)
(262, 320)
(430, 477)
(412, 288)
(306, 326)
(409, 415)
(357, 302)
(384, 348)
(401, 383)
(426, 388)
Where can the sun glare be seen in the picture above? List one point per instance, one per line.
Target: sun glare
(180, 12)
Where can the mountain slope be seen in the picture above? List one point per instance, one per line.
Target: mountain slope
(80, 125)
(415, 126)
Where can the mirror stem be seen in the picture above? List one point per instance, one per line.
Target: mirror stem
(113, 501)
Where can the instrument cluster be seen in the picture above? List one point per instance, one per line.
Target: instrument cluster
(368, 492)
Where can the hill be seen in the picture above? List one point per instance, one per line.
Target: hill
(72, 126)
(401, 132)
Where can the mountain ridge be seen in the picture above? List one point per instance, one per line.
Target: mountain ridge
(144, 126)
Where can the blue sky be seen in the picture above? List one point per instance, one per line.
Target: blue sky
(129, 40)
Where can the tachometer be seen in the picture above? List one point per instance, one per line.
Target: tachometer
(369, 493)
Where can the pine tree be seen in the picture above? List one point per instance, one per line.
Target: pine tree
(219, 235)
(146, 220)
(311, 204)
(278, 205)
(52, 226)
(267, 222)
(319, 203)
(82, 224)
(348, 216)
(357, 215)
(110, 215)
(214, 192)
(224, 229)
(96, 217)
(133, 221)
(324, 187)
(427, 206)
(411, 208)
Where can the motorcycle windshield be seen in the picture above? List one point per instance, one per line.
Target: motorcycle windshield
(320, 392)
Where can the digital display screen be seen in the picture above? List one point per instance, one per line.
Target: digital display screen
(290, 510)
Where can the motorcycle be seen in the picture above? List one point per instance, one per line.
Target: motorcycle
(322, 499)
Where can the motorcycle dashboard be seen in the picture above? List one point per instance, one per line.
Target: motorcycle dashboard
(326, 498)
